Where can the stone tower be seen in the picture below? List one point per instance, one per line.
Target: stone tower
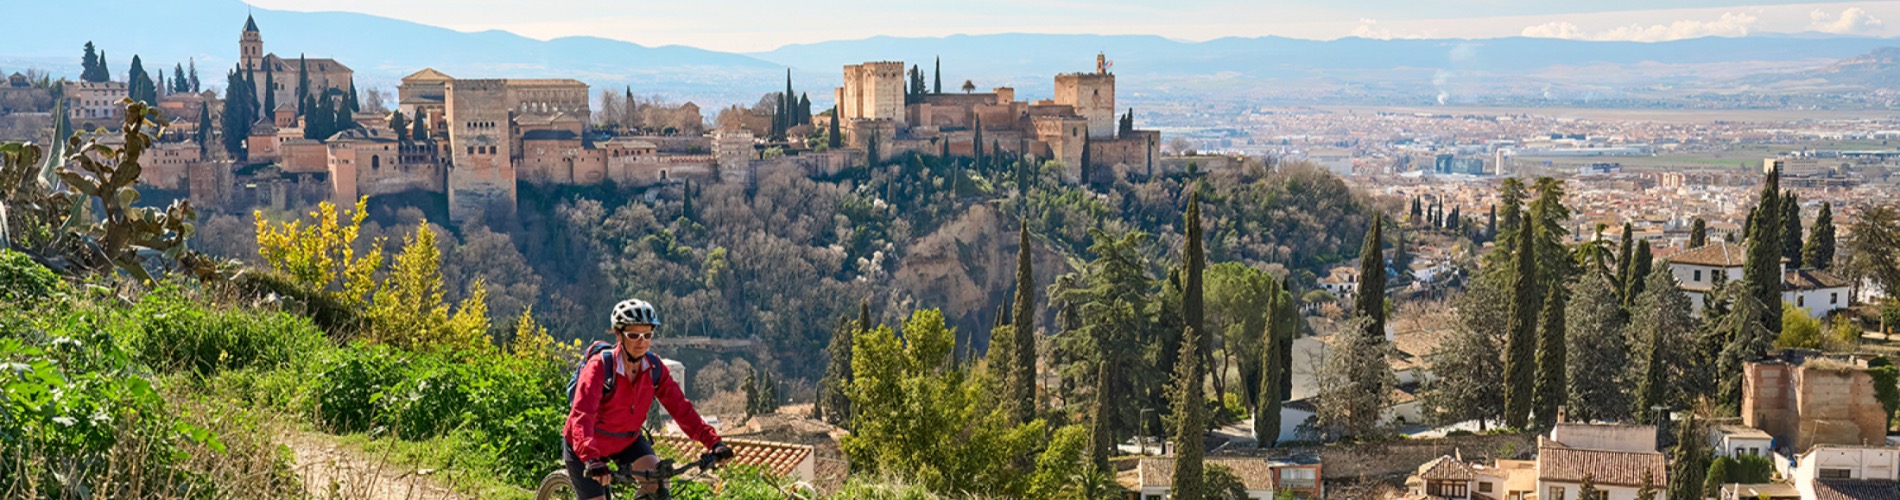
(1092, 95)
(873, 91)
(251, 45)
(481, 135)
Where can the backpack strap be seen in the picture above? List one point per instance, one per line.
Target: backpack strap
(608, 368)
(654, 365)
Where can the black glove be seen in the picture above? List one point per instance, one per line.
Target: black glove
(596, 468)
(722, 452)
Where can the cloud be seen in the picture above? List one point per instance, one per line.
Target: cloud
(1730, 24)
(1851, 21)
(1369, 28)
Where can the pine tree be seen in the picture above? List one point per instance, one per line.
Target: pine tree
(1022, 378)
(418, 130)
(1597, 356)
(89, 65)
(1552, 361)
(1698, 233)
(1791, 230)
(1521, 345)
(1189, 421)
(1370, 302)
(1762, 277)
(1819, 251)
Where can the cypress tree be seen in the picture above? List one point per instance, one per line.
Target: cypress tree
(1281, 315)
(976, 145)
(204, 132)
(1511, 196)
(1688, 463)
(191, 72)
(1491, 223)
(1638, 272)
(836, 140)
(356, 106)
(1762, 278)
(179, 84)
(1370, 303)
(1819, 251)
(237, 109)
(139, 83)
(1791, 230)
(1521, 345)
(1698, 233)
(1023, 379)
(418, 130)
(1193, 293)
(937, 72)
(105, 71)
(1552, 361)
(835, 404)
(270, 94)
(1101, 432)
(804, 109)
(162, 89)
(1625, 250)
(1418, 213)
(1189, 425)
(398, 124)
(345, 119)
(303, 85)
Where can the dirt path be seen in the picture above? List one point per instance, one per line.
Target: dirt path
(333, 471)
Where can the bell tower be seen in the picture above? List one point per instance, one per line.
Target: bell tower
(251, 45)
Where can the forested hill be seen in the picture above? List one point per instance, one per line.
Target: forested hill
(786, 260)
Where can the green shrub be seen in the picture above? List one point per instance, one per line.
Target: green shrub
(170, 331)
(349, 381)
(24, 281)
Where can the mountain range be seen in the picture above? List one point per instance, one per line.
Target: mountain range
(48, 35)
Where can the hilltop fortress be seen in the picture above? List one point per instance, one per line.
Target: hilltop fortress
(473, 141)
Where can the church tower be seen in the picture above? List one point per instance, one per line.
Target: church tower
(251, 45)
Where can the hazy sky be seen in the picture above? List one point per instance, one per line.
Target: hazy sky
(761, 25)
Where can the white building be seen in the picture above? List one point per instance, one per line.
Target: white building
(1699, 270)
(1835, 471)
(1738, 440)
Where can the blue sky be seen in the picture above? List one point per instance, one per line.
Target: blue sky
(762, 25)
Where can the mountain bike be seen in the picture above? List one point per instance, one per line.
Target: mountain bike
(559, 486)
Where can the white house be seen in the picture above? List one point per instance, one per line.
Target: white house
(1452, 478)
(1736, 440)
(1836, 471)
(1699, 269)
(1617, 458)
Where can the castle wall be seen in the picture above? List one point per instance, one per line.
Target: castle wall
(873, 91)
(553, 161)
(1138, 152)
(1063, 135)
(303, 156)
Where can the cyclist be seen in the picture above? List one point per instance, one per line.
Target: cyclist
(601, 429)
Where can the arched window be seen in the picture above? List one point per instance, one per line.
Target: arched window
(375, 162)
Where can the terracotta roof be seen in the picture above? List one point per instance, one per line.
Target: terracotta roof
(1811, 279)
(780, 459)
(1718, 254)
(1858, 489)
(1256, 473)
(1616, 468)
(1446, 468)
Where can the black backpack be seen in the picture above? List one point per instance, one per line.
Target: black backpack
(610, 364)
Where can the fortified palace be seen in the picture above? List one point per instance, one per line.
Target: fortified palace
(484, 136)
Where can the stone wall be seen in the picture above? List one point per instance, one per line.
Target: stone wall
(1820, 402)
(1093, 96)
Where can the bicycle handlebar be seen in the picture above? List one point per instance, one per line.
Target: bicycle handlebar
(665, 470)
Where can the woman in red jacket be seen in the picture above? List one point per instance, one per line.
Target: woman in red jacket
(603, 425)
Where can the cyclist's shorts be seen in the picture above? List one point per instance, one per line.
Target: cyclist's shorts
(587, 487)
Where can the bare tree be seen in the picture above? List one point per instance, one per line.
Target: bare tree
(372, 101)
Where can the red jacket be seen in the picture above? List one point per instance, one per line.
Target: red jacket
(597, 428)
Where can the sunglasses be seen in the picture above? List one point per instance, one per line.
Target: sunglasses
(639, 336)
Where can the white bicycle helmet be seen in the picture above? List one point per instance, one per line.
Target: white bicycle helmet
(634, 312)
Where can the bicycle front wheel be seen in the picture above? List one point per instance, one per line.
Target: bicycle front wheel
(556, 486)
